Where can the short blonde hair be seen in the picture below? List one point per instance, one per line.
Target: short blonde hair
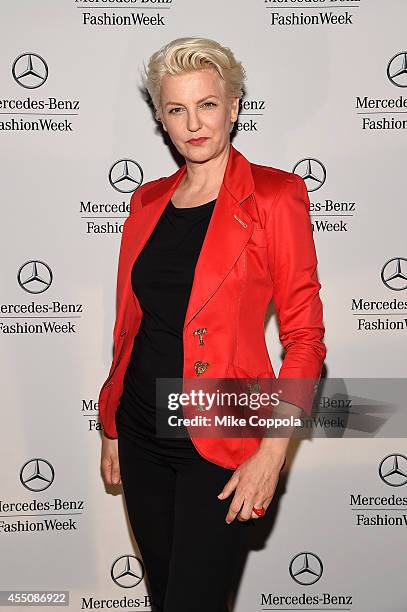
(192, 53)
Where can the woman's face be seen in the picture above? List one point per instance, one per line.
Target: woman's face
(194, 105)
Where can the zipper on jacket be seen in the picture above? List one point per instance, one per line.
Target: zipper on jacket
(240, 221)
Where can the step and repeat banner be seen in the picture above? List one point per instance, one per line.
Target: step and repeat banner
(326, 97)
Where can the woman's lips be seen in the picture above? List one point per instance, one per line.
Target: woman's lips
(197, 141)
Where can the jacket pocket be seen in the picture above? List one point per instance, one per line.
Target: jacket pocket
(262, 381)
(235, 371)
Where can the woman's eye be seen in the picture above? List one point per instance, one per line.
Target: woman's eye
(177, 108)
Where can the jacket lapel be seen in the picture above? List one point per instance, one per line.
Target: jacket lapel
(228, 232)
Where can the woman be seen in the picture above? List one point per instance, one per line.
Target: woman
(203, 252)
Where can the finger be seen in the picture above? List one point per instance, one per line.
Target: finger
(234, 508)
(106, 471)
(246, 511)
(229, 486)
(119, 481)
(110, 471)
(258, 504)
(115, 473)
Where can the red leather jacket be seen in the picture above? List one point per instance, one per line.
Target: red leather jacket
(258, 247)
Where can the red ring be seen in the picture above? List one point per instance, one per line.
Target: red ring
(259, 511)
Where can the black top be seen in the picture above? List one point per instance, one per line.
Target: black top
(161, 277)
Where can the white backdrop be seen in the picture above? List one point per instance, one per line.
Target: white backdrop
(323, 78)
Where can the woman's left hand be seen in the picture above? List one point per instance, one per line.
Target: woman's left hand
(255, 481)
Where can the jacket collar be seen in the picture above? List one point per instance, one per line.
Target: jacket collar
(237, 180)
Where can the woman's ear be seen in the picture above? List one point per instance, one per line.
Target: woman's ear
(159, 118)
(234, 111)
(162, 123)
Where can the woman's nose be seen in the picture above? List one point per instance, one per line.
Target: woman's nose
(194, 122)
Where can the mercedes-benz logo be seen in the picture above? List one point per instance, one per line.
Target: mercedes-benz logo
(393, 470)
(37, 474)
(394, 273)
(30, 70)
(34, 276)
(312, 171)
(125, 175)
(127, 571)
(397, 69)
(306, 568)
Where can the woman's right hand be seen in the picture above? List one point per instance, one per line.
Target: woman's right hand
(109, 461)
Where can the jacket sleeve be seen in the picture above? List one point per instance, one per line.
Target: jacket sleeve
(293, 267)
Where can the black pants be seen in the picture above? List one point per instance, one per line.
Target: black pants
(179, 524)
